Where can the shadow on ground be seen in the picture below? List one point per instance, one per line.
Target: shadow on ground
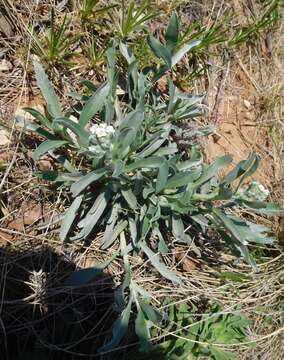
(40, 318)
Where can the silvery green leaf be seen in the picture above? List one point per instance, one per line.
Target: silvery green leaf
(261, 207)
(40, 117)
(160, 51)
(142, 331)
(61, 159)
(151, 313)
(94, 104)
(110, 224)
(172, 32)
(151, 162)
(83, 276)
(81, 134)
(145, 294)
(94, 214)
(69, 217)
(163, 248)
(245, 167)
(129, 197)
(27, 125)
(212, 169)
(151, 148)
(182, 179)
(51, 175)
(47, 91)
(167, 150)
(89, 85)
(118, 168)
(185, 49)
(126, 52)
(243, 249)
(133, 227)
(47, 146)
(117, 229)
(172, 90)
(86, 180)
(161, 267)
(120, 328)
(162, 176)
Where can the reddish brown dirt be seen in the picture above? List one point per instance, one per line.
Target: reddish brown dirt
(238, 131)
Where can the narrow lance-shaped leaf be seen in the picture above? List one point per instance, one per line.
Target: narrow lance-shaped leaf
(130, 198)
(162, 176)
(172, 32)
(261, 207)
(142, 331)
(185, 49)
(116, 231)
(241, 168)
(27, 125)
(81, 134)
(151, 162)
(94, 104)
(39, 116)
(160, 51)
(119, 329)
(57, 176)
(161, 267)
(47, 90)
(86, 180)
(46, 146)
(69, 217)
(213, 169)
(94, 214)
(182, 179)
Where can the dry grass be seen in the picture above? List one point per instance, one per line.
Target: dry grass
(245, 101)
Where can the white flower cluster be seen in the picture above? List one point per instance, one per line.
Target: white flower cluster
(102, 130)
(101, 135)
(263, 190)
(255, 191)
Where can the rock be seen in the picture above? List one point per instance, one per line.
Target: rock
(249, 116)
(247, 104)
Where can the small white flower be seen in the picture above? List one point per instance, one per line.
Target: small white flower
(263, 189)
(101, 130)
(93, 148)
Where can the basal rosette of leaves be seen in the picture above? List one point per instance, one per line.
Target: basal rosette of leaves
(128, 179)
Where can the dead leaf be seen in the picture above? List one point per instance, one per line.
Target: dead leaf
(27, 215)
(5, 237)
(185, 262)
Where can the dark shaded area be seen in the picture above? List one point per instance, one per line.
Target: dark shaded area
(40, 318)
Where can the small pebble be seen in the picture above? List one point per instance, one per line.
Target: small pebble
(247, 104)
